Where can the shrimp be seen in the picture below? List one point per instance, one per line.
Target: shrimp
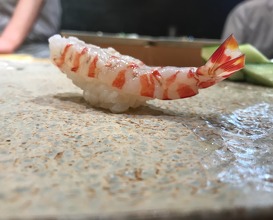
(114, 81)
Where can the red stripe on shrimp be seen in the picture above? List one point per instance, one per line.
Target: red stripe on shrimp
(185, 91)
(60, 61)
(119, 80)
(77, 58)
(147, 85)
(206, 84)
(191, 74)
(92, 67)
(170, 80)
(157, 76)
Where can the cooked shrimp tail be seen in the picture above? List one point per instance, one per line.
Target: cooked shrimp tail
(226, 60)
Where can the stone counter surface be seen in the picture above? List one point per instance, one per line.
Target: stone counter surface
(206, 157)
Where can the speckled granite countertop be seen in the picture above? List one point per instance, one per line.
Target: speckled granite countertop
(205, 157)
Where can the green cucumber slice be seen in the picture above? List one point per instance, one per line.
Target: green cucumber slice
(239, 76)
(252, 54)
(261, 74)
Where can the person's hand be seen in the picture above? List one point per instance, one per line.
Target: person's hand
(6, 46)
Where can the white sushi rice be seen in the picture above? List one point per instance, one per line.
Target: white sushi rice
(98, 94)
(95, 92)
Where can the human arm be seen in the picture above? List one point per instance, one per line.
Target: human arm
(22, 20)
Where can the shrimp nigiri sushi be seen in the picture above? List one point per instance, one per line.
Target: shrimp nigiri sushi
(117, 82)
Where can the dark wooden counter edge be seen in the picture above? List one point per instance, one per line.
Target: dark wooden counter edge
(240, 213)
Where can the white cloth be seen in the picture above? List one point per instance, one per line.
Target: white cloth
(252, 22)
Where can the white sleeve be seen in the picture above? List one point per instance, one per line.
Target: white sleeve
(236, 24)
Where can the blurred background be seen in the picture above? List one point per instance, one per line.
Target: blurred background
(195, 18)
